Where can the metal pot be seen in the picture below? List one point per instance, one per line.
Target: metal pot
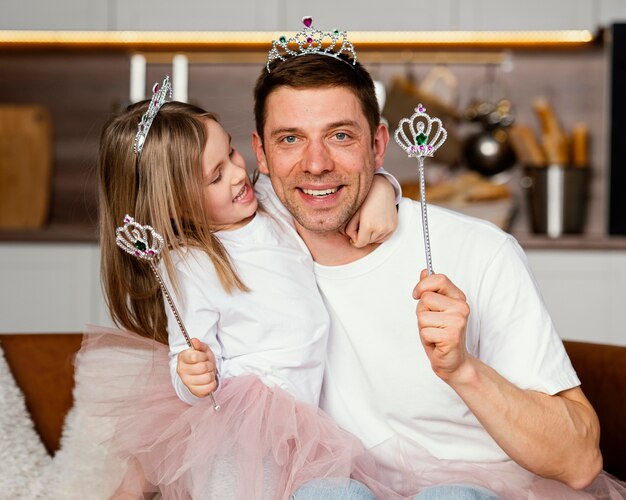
(488, 150)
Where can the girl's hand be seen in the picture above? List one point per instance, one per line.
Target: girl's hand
(377, 218)
(196, 368)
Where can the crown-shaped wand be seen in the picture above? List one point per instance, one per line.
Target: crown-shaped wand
(144, 243)
(417, 136)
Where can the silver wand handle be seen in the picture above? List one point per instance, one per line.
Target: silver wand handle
(181, 325)
(429, 261)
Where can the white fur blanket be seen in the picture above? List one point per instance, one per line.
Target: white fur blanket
(27, 472)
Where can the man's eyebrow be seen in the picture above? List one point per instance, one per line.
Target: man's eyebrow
(330, 126)
(286, 130)
(344, 123)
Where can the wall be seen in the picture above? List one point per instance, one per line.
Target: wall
(285, 14)
(55, 287)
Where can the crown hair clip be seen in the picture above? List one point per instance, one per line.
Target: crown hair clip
(144, 243)
(415, 135)
(312, 41)
(159, 96)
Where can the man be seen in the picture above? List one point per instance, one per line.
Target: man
(490, 382)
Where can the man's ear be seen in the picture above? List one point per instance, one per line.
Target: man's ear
(257, 147)
(381, 140)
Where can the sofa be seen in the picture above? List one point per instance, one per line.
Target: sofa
(42, 366)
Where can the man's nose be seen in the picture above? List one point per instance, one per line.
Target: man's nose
(317, 158)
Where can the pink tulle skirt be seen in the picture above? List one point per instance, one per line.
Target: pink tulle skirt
(409, 468)
(262, 444)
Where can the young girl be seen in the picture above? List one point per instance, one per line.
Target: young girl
(243, 283)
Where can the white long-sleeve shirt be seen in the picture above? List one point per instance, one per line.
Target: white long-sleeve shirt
(277, 331)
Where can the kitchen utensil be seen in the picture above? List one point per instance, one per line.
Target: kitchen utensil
(557, 199)
(488, 150)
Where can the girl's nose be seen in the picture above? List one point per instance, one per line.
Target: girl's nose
(239, 174)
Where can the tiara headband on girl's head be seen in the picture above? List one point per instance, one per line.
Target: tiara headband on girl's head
(312, 41)
(159, 95)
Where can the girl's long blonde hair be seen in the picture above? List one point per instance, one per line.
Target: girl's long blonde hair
(162, 189)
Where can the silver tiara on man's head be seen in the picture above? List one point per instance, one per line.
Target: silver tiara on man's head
(159, 96)
(312, 41)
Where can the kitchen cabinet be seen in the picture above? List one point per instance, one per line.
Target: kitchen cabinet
(531, 14)
(350, 15)
(192, 15)
(584, 292)
(55, 15)
(409, 15)
(50, 288)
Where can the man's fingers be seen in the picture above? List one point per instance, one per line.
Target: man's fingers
(444, 341)
(429, 319)
(438, 283)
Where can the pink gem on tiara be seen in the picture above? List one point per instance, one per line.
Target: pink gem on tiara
(309, 40)
(421, 108)
(307, 21)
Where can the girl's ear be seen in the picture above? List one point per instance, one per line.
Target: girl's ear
(257, 147)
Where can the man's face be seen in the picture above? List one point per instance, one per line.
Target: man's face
(318, 151)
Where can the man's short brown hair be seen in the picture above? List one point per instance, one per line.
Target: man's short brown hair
(316, 71)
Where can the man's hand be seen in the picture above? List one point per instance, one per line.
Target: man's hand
(552, 436)
(442, 314)
(196, 368)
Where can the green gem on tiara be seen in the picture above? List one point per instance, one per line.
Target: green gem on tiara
(282, 39)
(140, 245)
(421, 139)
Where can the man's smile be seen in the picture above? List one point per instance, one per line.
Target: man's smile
(320, 192)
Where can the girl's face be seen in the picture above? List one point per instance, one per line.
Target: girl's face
(229, 199)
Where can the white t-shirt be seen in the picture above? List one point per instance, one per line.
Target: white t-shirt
(379, 383)
(277, 331)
